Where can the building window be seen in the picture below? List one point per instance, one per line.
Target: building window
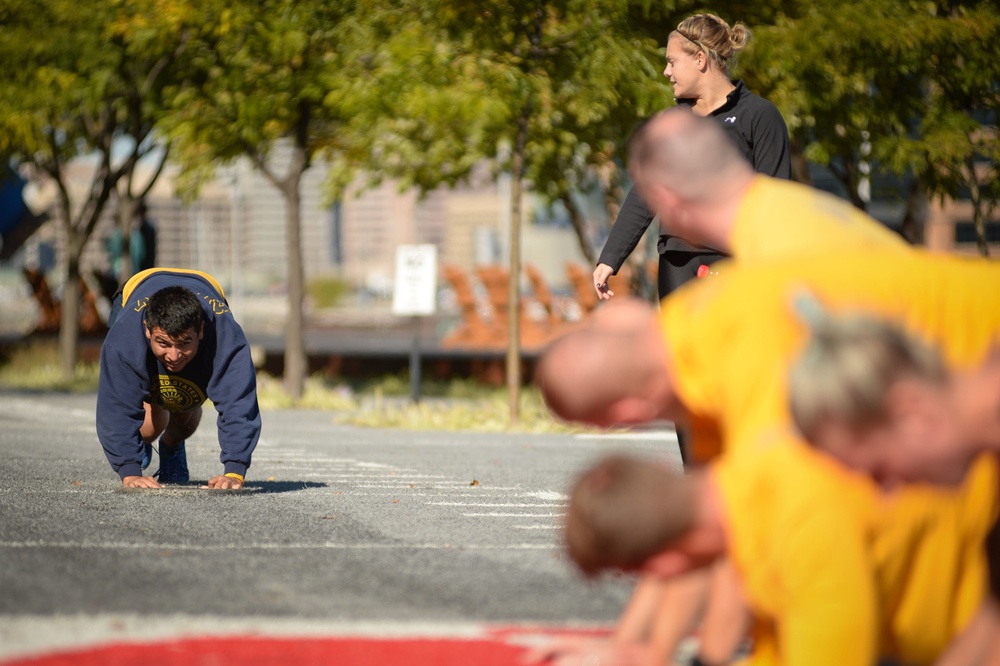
(965, 232)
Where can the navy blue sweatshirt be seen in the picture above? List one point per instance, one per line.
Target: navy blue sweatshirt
(221, 371)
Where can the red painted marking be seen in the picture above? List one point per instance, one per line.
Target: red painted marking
(498, 648)
(299, 651)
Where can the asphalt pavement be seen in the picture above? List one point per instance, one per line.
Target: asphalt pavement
(340, 530)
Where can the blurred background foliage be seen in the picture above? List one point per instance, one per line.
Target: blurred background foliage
(425, 92)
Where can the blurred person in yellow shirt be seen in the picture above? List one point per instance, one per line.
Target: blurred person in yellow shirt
(833, 572)
(881, 401)
(715, 358)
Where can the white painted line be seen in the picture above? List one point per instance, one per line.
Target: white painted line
(437, 484)
(270, 546)
(499, 505)
(652, 435)
(306, 457)
(382, 477)
(548, 495)
(451, 493)
(313, 463)
(513, 515)
(420, 490)
(391, 480)
(537, 527)
(25, 635)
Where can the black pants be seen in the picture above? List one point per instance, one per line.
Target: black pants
(678, 267)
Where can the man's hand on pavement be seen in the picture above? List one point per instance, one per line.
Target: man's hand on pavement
(588, 651)
(140, 482)
(223, 482)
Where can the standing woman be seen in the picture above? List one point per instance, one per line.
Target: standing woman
(700, 53)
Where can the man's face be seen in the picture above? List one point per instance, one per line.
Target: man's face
(690, 552)
(910, 445)
(978, 403)
(174, 353)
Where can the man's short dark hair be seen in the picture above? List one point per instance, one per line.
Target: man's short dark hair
(174, 310)
(624, 510)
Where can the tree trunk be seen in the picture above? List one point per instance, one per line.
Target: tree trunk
(580, 227)
(296, 363)
(514, 270)
(614, 191)
(851, 178)
(126, 208)
(69, 318)
(978, 214)
(915, 216)
(800, 165)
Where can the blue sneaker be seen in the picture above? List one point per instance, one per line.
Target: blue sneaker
(147, 454)
(173, 465)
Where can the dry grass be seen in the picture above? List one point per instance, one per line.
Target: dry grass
(460, 405)
(480, 415)
(35, 366)
(456, 405)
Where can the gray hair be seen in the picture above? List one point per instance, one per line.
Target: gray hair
(849, 364)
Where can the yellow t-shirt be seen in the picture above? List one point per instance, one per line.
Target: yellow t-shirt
(731, 337)
(796, 536)
(930, 563)
(818, 549)
(780, 218)
(836, 573)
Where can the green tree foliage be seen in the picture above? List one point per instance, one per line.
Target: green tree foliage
(902, 88)
(76, 83)
(544, 90)
(270, 73)
(423, 92)
(582, 74)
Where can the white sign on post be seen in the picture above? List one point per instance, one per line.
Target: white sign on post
(415, 287)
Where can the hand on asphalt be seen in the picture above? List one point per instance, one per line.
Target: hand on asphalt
(140, 482)
(222, 482)
(589, 651)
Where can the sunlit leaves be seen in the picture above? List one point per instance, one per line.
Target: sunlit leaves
(913, 82)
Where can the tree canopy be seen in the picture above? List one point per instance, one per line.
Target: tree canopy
(423, 92)
(883, 86)
(78, 83)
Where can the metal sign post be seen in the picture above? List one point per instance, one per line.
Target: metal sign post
(415, 295)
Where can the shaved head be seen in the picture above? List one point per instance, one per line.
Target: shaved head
(611, 370)
(585, 371)
(685, 153)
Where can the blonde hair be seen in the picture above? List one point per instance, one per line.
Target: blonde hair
(719, 41)
(849, 364)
